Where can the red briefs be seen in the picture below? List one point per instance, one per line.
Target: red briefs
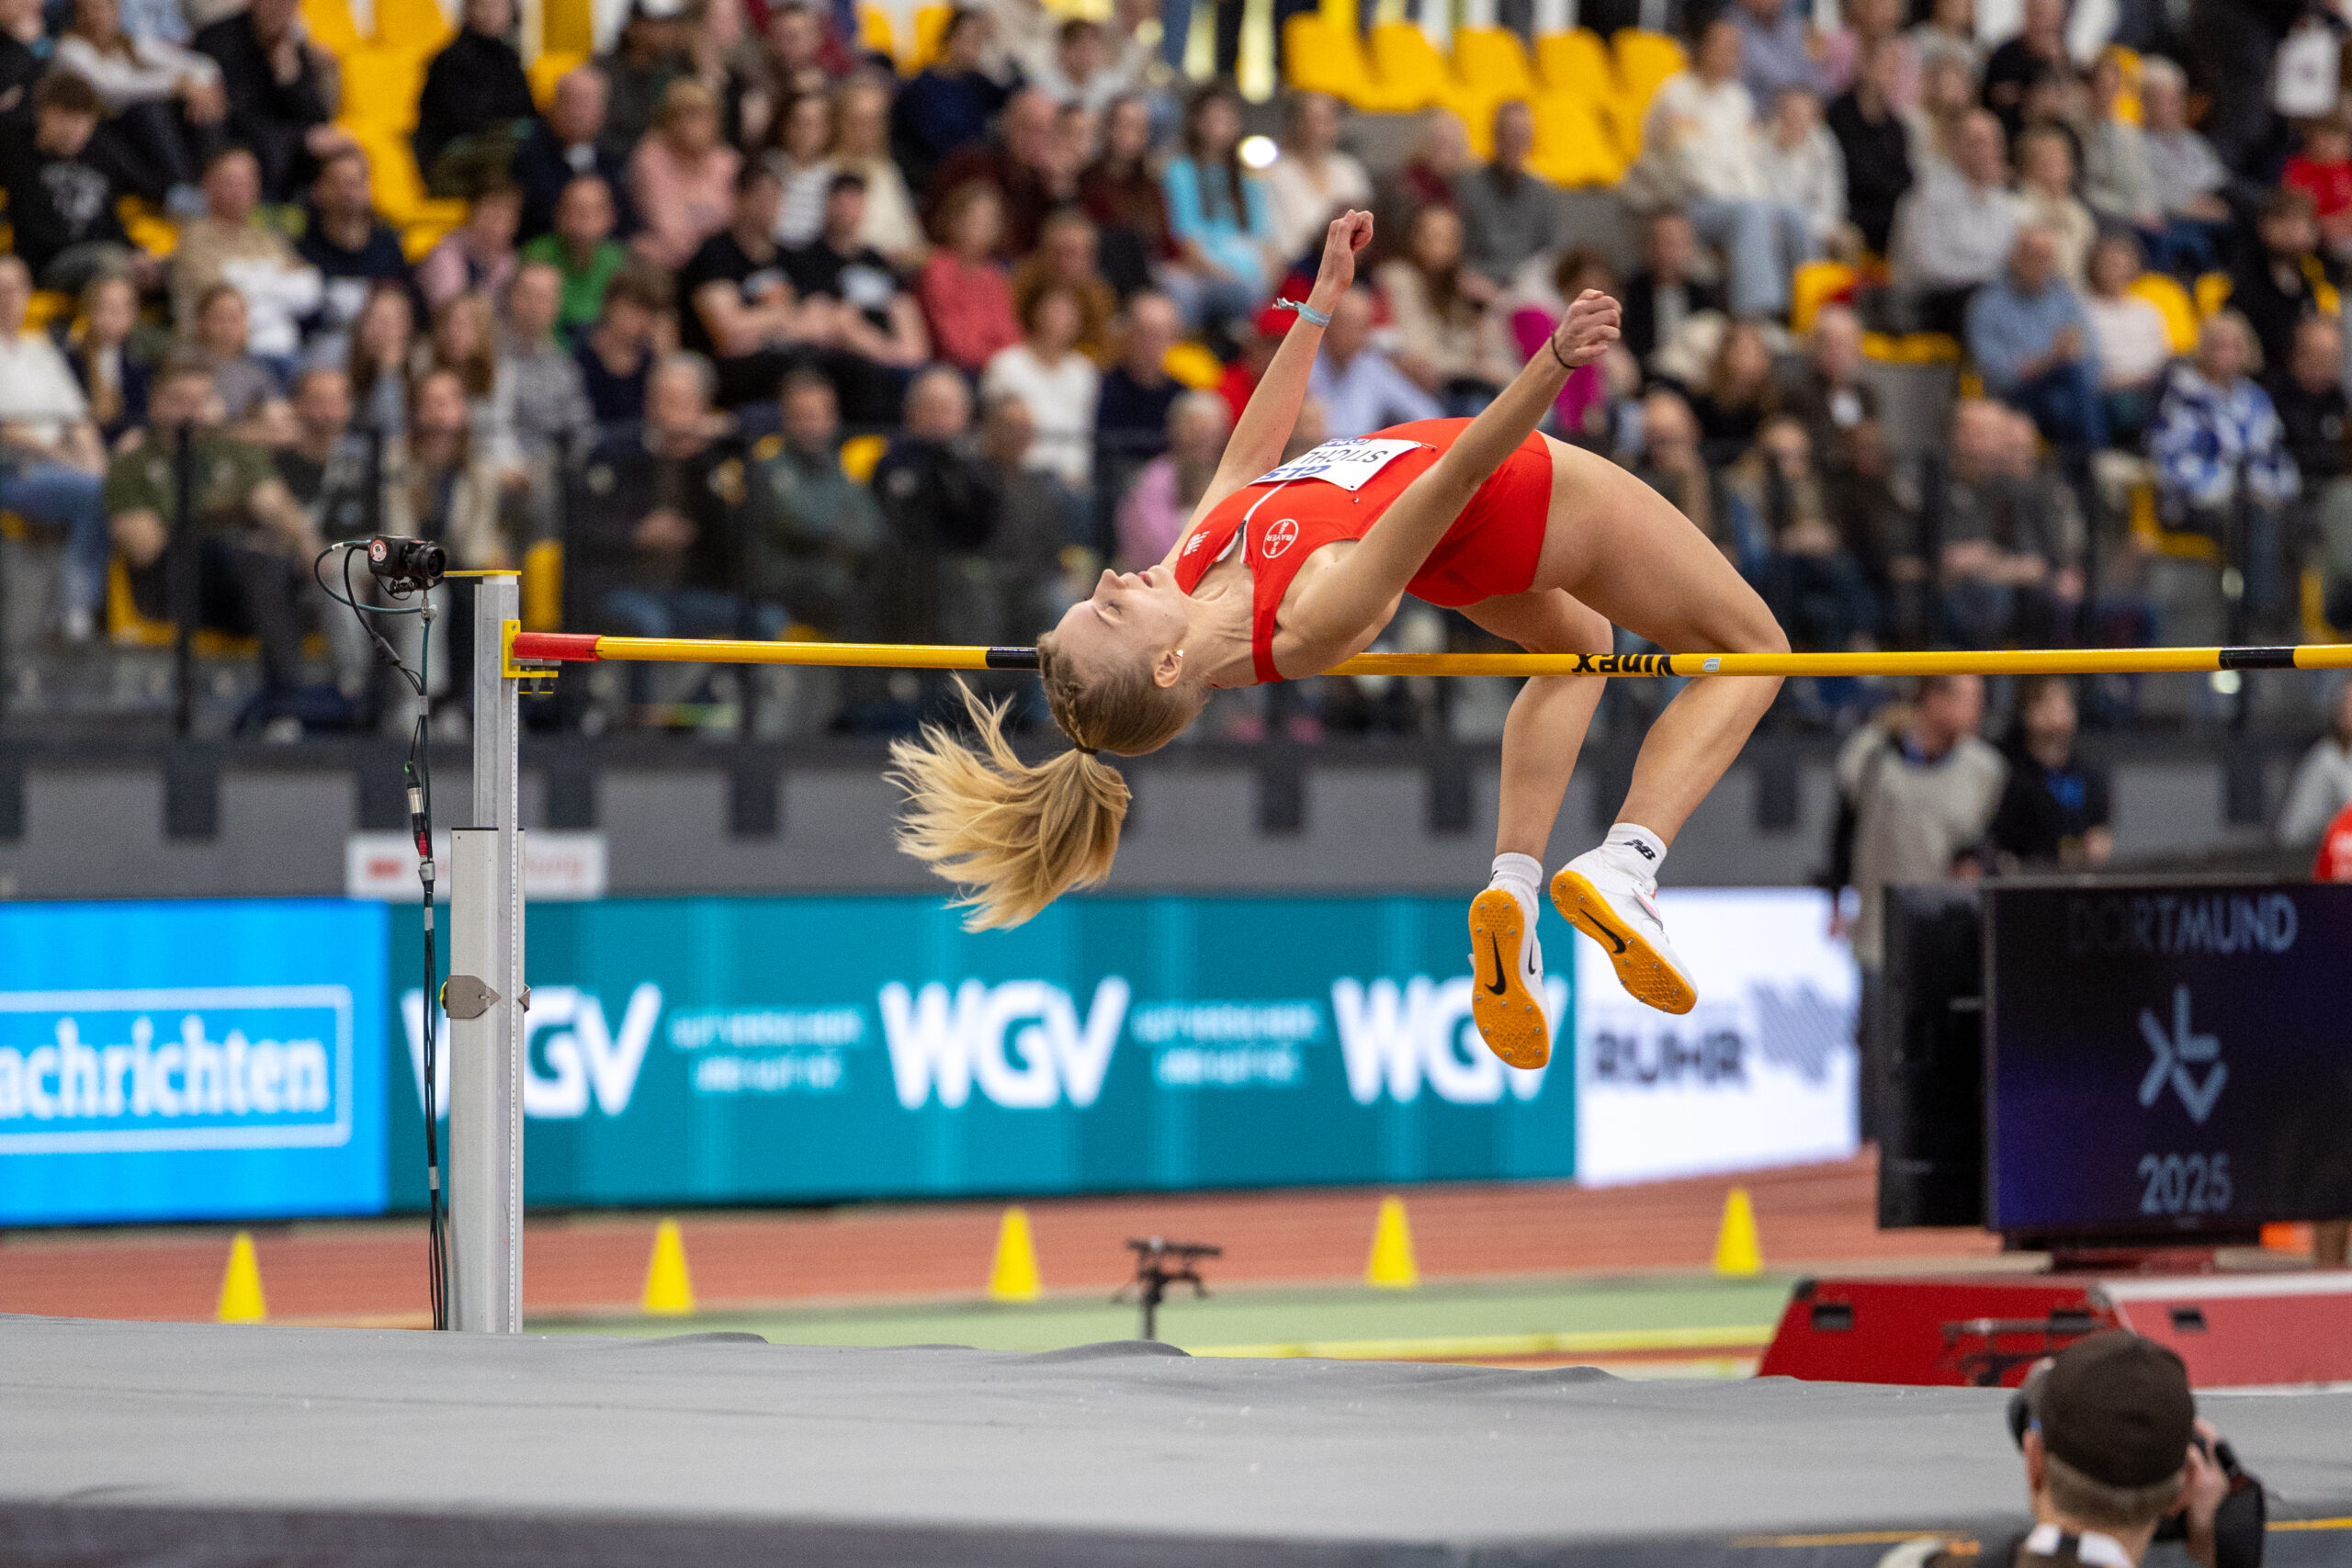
(1339, 490)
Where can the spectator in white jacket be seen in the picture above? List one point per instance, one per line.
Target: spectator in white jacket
(1699, 147)
(1059, 385)
(1803, 167)
(2323, 783)
(1312, 181)
(165, 105)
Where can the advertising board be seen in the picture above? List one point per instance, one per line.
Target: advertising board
(1762, 1072)
(206, 1059)
(728, 1049)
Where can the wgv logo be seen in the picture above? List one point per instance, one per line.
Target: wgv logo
(570, 1052)
(1422, 1033)
(1021, 1040)
(203, 1067)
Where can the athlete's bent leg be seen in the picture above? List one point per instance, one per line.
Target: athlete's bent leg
(1541, 740)
(1659, 578)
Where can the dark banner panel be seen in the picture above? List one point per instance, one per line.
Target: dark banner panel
(2168, 1058)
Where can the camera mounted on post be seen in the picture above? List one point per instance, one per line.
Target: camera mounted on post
(406, 566)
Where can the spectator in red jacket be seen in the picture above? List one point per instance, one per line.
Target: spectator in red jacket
(964, 295)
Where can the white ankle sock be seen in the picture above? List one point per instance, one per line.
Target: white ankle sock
(1635, 851)
(1523, 874)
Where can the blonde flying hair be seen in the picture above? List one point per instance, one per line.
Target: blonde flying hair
(1012, 837)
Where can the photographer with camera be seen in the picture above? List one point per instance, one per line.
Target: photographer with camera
(2116, 1458)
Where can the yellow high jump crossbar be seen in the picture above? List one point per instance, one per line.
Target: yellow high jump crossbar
(531, 653)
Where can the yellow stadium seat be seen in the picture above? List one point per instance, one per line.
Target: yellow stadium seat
(543, 586)
(1573, 146)
(2127, 103)
(1411, 68)
(1313, 59)
(380, 88)
(860, 453)
(2315, 602)
(547, 70)
(418, 239)
(568, 27)
(1813, 285)
(1492, 65)
(1194, 365)
(411, 27)
(1911, 348)
(2149, 532)
(1320, 55)
(149, 230)
(1576, 63)
(931, 26)
(48, 305)
(2212, 292)
(126, 628)
(2172, 302)
(875, 32)
(330, 26)
(1644, 60)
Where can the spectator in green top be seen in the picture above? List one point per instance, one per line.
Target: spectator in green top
(816, 534)
(582, 249)
(252, 540)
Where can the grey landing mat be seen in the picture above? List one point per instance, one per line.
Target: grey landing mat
(192, 1445)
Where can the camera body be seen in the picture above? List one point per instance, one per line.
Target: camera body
(405, 566)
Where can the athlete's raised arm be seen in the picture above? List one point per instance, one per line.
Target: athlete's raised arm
(1357, 592)
(1264, 427)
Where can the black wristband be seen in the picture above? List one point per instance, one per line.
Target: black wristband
(1563, 358)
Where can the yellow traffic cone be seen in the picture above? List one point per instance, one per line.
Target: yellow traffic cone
(1012, 1276)
(669, 1289)
(1737, 1250)
(1392, 1266)
(240, 1300)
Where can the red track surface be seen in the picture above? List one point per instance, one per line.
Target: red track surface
(375, 1271)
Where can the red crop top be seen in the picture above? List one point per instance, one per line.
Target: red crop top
(1341, 488)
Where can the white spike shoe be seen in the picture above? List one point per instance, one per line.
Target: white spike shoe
(1506, 993)
(1618, 911)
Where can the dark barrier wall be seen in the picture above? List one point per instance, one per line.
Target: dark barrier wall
(726, 1050)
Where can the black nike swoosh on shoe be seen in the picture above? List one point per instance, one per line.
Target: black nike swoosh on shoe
(1499, 987)
(1602, 927)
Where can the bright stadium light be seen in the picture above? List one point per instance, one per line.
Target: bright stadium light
(1258, 151)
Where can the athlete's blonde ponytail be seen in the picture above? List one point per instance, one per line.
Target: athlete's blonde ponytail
(1016, 837)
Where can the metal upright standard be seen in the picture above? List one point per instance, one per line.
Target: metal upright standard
(485, 994)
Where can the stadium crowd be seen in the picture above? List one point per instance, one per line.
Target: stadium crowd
(769, 335)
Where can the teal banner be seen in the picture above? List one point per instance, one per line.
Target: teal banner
(764, 1050)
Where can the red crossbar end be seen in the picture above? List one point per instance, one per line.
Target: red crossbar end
(570, 648)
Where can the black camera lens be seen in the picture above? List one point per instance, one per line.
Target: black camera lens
(407, 563)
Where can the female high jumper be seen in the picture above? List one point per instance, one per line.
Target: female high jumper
(1285, 571)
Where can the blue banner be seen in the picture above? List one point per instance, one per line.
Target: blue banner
(756, 1050)
(208, 1059)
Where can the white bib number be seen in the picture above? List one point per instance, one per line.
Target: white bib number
(1348, 463)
